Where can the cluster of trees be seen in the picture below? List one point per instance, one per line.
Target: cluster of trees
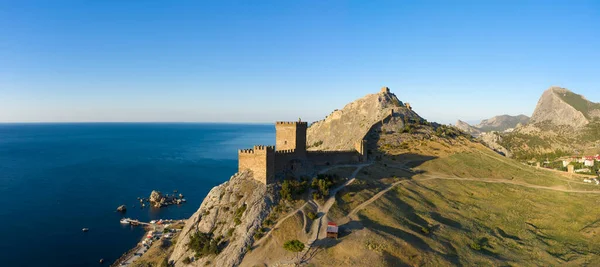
(292, 187)
(321, 185)
(204, 244)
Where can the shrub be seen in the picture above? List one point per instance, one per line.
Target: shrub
(294, 246)
(230, 231)
(187, 260)
(311, 215)
(204, 244)
(475, 246)
(238, 214)
(258, 235)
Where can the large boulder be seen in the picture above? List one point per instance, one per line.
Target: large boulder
(157, 199)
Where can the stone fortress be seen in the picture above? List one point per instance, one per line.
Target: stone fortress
(290, 154)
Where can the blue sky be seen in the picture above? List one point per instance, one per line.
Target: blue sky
(245, 61)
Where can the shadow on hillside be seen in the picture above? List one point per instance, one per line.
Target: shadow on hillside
(400, 166)
(412, 239)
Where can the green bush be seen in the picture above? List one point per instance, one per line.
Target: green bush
(187, 260)
(204, 244)
(311, 215)
(238, 214)
(475, 246)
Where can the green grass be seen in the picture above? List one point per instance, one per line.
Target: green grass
(579, 103)
(487, 223)
(487, 164)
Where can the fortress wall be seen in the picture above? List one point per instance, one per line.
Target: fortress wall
(283, 159)
(333, 157)
(260, 160)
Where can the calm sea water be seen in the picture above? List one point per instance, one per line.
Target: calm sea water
(56, 179)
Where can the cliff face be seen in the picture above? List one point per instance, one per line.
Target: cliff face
(343, 128)
(217, 214)
(560, 106)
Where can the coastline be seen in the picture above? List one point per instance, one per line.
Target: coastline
(154, 232)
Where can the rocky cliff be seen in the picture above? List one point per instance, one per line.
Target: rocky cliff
(232, 212)
(343, 128)
(560, 106)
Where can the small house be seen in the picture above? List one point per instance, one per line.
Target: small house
(332, 230)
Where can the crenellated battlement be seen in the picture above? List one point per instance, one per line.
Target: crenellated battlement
(246, 151)
(285, 151)
(301, 123)
(263, 147)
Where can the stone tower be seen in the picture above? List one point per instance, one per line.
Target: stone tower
(291, 136)
(260, 160)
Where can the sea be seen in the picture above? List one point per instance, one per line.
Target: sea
(56, 179)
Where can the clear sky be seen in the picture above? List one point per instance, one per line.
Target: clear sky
(260, 61)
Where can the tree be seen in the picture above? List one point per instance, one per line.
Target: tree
(294, 246)
(286, 190)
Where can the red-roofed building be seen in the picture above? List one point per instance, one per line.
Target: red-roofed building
(332, 230)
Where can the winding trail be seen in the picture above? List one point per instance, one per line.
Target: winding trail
(328, 204)
(482, 180)
(322, 211)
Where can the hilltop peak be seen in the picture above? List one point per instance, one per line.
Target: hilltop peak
(344, 127)
(561, 106)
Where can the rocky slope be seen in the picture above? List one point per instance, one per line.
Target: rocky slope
(502, 123)
(499, 123)
(563, 123)
(467, 128)
(560, 106)
(240, 198)
(343, 128)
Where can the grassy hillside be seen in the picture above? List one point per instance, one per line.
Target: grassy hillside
(430, 200)
(466, 205)
(579, 103)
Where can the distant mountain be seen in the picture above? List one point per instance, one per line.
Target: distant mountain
(498, 123)
(559, 106)
(563, 123)
(467, 128)
(502, 123)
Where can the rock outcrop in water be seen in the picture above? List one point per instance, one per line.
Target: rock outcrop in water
(122, 209)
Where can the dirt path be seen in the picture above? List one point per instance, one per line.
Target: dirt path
(319, 208)
(322, 211)
(493, 181)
